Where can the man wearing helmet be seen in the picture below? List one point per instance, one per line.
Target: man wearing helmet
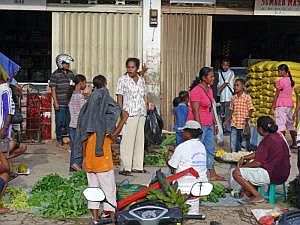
(62, 85)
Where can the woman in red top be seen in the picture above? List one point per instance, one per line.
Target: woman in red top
(201, 110)
(269, 164)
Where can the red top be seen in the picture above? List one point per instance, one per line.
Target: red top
(274, 155)
(198, 94)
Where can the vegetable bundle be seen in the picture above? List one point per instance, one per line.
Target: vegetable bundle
(16, 198)
(158, 159)
(168, 194)
(218, 191)
(57, 197)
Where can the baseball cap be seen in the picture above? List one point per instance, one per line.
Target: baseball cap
(191, 124)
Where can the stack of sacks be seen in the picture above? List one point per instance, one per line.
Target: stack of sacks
(260, 84)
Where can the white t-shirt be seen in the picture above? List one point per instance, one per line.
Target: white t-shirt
(226, 95)
(189, 154)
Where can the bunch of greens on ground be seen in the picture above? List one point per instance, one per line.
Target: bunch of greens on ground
(56, 197)
(158, 158)
(218, 191)
(168, 194)
(15, 198)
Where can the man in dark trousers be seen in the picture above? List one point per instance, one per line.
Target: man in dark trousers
(62, 85)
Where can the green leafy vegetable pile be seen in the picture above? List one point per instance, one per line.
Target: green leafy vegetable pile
(168, 194)
(158, 159)
(15, 198)
(57, 197)
(218, 191)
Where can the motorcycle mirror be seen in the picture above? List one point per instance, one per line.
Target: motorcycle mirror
(201, 189)
(94, 194)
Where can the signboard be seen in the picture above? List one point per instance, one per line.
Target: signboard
(277, 7)
(23, 4)
(205, 2)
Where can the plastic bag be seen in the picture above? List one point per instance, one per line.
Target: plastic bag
(246, 131)
(153, 128)
(220, 135)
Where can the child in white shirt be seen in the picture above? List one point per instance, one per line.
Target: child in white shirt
(190, 153)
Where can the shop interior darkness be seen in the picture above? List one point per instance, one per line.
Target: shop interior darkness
(26, 38)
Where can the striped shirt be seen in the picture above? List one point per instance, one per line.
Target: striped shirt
(62, 84)
(133, 95)
(76, 102)
(7, 106)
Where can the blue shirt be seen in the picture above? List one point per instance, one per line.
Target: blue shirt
(180, 112)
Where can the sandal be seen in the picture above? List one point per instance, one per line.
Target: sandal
(139, 171)
(252, 201)
(75, 167)
(125, 173)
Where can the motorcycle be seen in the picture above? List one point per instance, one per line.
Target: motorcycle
(148, 212)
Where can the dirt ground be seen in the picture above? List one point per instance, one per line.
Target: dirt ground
(47, 158)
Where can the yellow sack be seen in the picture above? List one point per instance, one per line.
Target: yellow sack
(274, 74)
(251, 68)
(267, 86)
(295, 73)
(291, 65)
(268, 93)
(296, 80)
(250, 75)
(268, 74)
(267, 80)
(253, 82)
(269, 65)
(259, 67)
(267, 99)
(264, 111)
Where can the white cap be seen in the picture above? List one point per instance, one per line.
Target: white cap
(191, 124)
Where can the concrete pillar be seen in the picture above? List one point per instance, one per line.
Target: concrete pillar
(151, 50)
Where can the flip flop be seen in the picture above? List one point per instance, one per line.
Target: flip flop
(139, 171)
(256, 201)
(125, 173)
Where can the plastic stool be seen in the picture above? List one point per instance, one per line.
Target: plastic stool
(271, 194)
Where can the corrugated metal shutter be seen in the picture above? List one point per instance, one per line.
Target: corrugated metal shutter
(99, 42)
(186, 47)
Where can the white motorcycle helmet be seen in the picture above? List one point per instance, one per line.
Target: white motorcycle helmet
(63, 58)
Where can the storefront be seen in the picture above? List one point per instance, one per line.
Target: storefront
(100, 39)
